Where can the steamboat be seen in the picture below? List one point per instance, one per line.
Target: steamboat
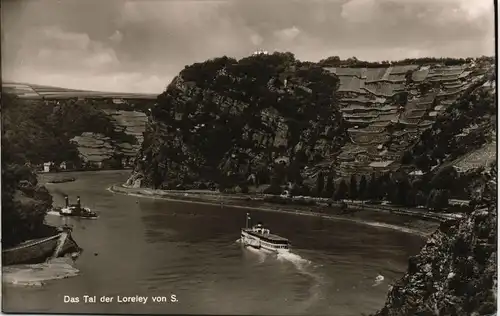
(76, 210)
(259, 237)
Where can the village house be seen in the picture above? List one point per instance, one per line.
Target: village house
(62, 165)
(47, 166)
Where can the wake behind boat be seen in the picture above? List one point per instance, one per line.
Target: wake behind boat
(259, 237)
(76, 209)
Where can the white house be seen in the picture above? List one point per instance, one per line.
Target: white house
(46, 166)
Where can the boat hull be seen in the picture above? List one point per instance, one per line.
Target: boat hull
(77, 212)
(249, 240)
(38, 250)
(78, 215)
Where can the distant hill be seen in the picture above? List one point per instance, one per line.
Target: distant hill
(90, 128)
(34, 91)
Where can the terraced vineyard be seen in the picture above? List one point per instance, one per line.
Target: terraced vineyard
(387, 109)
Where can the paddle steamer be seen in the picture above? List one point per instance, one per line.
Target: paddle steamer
(76, 209)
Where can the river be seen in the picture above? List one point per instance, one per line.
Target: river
(149, 247)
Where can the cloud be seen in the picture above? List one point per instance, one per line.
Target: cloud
(50, 47)
(116, 37)
(111, 82)
(359, 11)
(256, 39)
(288, 34)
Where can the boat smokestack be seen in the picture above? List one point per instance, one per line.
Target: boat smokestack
(78, 201)
(248, 220)
(66, 201)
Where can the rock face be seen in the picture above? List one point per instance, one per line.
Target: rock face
(224, 120)
(456, 271)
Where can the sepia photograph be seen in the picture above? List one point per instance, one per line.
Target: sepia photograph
(249, 157)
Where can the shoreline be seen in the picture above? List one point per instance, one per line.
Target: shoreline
(422, 227)
(39, 172)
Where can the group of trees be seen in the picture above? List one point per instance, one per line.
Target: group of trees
(335, 61)
(24, 201)
(431, 190)
(394, 188)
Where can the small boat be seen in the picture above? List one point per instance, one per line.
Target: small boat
(259, 237)
(76, 210)
(62, 180)
(58, 244)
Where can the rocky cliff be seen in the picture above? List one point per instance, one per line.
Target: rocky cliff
(456, 271)
(225, 120)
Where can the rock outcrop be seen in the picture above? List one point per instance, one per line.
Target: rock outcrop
(456, 271)
(225, 120)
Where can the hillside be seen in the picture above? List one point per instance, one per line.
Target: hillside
(90, 128)
(388, 111)
(224, 120)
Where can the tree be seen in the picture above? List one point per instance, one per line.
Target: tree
(423, 162)
(363, 186)
(342, 191)
(385, 186)
(402, 190)
(330, 187)
(294, 172)
(320, 183)
(353, 188)
(373, 188)
(407, 158)
(445, 179)
(420, 198)
(438, 199)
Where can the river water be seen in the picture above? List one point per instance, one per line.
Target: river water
(151, 247)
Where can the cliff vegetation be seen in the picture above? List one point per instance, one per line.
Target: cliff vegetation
(224, 121)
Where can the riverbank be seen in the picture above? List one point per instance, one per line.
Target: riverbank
(40, 172)
(368, 215)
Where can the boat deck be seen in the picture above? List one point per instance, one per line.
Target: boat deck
(270, 237)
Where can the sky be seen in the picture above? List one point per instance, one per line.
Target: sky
(141, 45)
